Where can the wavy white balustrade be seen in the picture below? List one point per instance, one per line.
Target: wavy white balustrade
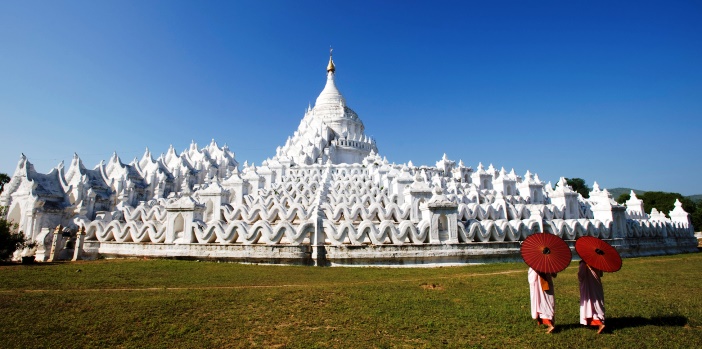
(125, 232)
(377, 234)
(374, 212)
(359, 211)
(497, 231)
(295, 212)
(144, 214)
(261, 231)
(274, 226)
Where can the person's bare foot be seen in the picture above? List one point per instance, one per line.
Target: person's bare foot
(550, 329)
(600, 329)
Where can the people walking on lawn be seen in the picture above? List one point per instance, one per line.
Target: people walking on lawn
(592, 310)
(542, 298)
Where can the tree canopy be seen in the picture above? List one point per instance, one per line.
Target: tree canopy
(10, 239)
(4, 178)
(579, 185)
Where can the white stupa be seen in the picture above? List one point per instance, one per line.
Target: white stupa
(330, 131)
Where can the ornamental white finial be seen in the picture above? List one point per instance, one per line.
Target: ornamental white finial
(330, 66)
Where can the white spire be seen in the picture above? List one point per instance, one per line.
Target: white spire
(330, 94)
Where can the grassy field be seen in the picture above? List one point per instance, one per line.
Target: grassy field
(651, 302)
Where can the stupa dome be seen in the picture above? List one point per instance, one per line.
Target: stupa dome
(330, 95)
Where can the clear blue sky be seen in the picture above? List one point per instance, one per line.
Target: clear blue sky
(609, 91)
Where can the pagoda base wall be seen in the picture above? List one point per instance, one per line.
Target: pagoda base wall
(487, 252)
(427, 255)
(254, 254)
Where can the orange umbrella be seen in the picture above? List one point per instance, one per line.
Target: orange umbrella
(545, 253)
(598, 254)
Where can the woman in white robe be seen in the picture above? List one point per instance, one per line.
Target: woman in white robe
(542, 298)
(592, 309)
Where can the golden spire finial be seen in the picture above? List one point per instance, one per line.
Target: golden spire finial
(330, 66)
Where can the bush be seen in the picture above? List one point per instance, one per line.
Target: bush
(579, 186)
(10, 239)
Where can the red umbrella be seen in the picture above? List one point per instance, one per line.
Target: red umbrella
(546, 253)
(598, 254)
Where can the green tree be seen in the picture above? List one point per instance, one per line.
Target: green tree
(579, 185)
(696, 218)
(623, 198)
(665, 202)
(10, 239)
(4, 178)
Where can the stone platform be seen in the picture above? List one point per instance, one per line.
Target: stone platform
(255, 254)
(427, 255)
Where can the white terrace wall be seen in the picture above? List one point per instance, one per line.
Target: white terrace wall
(345, 211)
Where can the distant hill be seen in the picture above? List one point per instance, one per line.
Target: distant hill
(619, 191)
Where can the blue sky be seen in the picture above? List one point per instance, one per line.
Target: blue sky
(606, 91)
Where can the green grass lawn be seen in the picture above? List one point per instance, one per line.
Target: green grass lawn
(651, 302)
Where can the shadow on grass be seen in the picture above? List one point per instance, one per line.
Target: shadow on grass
(617, 323)
(638, 321)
